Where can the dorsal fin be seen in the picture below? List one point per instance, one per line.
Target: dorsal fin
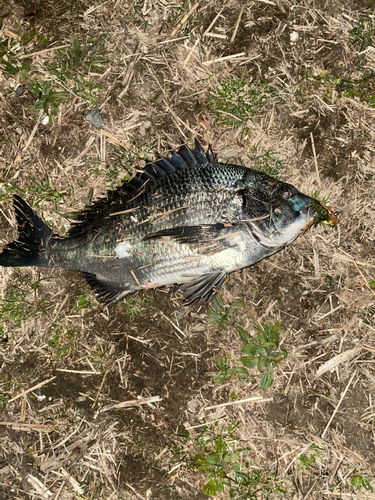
(183, 158)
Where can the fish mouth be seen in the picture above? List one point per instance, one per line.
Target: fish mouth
(310, 212)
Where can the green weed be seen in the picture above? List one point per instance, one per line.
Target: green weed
(126, 161)
(236, 101)
(222, 314)
(315, 195)
(135, 306)
(369, 315)
(61, 341)
(4, 398)
(47, 98)
(263, 351)
(308, 459)
(343, 85)
(20, 302)
(220, 455)
(73, 71)
(84, 301)
(266, 162)
(359, 482)
(100, 358)
(363, 33)
(226, 371)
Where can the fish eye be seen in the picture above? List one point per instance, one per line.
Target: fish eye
(285, 192)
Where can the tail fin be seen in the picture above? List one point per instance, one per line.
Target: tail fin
(30, 249)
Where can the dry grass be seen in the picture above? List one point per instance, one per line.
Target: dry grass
(92, 404)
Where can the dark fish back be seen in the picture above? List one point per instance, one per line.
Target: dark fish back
(182, 159)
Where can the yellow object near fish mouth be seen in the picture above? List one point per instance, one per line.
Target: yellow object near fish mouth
(324, 215)
(332, 218)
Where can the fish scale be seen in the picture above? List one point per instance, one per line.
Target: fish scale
(186, 219)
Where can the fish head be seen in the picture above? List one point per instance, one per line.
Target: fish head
(277, 213)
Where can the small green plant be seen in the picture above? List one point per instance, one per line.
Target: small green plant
(359, 482)
(73, 71)
(9, 55)
(236, 101)
(4, 398)
(372, 284)
(266, 162)
(220, 455)
(363, 33)
(315, 195)
(308, 459)
(222, 314)
(84, 301)
(88, 57)
(135, 306)
(47, 97)
(369, 316)
(61, 341)
(263, 351)
(75, 67)
(20, 302)
(41, 190)
(327, 84)
(126, 161)
(226, 371)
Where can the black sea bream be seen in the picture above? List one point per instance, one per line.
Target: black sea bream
(185, 220)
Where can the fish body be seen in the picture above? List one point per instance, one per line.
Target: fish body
(186, 219)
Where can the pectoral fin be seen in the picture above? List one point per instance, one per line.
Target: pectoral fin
(203, 289)
(205, 239)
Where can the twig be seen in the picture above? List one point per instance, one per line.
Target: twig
(23, 410)
(60, 308)
(25, 56)
(191, 51)
(256, 399)
(82, 372)
(295, 458)
(40, 116)
(128, 404)
(336, 360)
(213, 22)
(339, 403)
(133, 490)
(226, 58)
(364, 279)
(188, 427)
(237, 24)
(315, 159)
(59, 490)
(173, 40)
(31, 389)
(175, 326)
(28, 427)
(100, 389)
(184, 19)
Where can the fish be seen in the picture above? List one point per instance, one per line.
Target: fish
(186, 220)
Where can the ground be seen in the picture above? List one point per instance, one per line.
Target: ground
(126, 403)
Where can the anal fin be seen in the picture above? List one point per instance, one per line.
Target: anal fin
(108, 293)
